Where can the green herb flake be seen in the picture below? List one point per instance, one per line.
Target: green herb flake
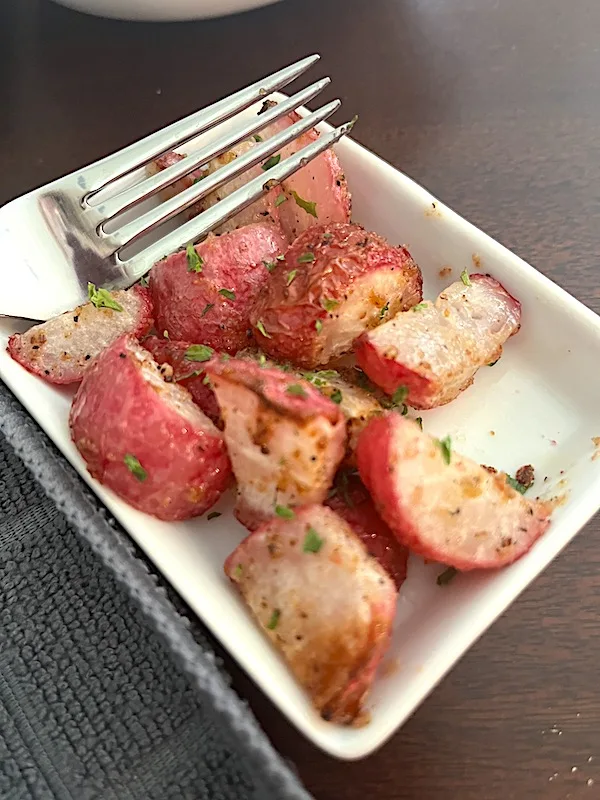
(237, 572)
(329, 304)
(464, 276)
(419, 421)
(228, 294)
(336, 396)
(296, 390)
(102, 298)
(404, 411)
(290, 276)
(270, 265)
(318, 326)
(285, 512)
(262, 359)
(274, 621)
(400, 395)
(321, 377)
(281, 257)
(206, 380)
(165, 334)
(258, 137)
(271, 162)
(199, 352)
(279, 200)
(134, 466)
(445, 446)
(194, 261)
(206, 309)
(519, 487)
(260, 327)
(306, 205)
(306, 258)
(327, 236)
(444, 578)
(213, 515)
(420, 306)
(384, 310)
(144, 281)
(312, 541)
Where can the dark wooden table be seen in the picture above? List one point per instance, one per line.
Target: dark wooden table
(495, 106)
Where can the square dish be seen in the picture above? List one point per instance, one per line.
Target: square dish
(537, 405)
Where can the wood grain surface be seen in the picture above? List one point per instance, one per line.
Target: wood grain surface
(495, 106)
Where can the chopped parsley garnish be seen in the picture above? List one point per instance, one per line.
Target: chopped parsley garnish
(290, 276)
(206, 380)
(384, 310)
(419, 421)
(337, 396)
(329, 304)
(281, 198)
(214, 515)
(199, 352)
(306, 258)
(306, 205)
(237, 572)
(296, 390)
(194, 261)
(102, 298)
(318, 326)
(285, 512)
(519, 487)
(400, 395)
(262, 359)
(206, 309)
(444, 578)
(257, 137)
(134, 466)
(445, 446)
(312, 541)
(419, 306)
(228, 294)
(260, 326)
(270, 265)
(321, 378)
(464, 276)
(271, 162)
(144, 281)
(281, 257)
(273, 622)
(327, 236)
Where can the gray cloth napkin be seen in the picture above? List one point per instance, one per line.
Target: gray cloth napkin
(106, 691)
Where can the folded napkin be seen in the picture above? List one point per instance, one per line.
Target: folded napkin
(106, 691)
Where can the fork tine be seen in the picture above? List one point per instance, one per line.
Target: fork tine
(141, 152)
(198, 227)
(151, 185)
(170, 208)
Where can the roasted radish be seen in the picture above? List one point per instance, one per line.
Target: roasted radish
(434, 350)
(205, 293)
(442, 505)
(336, 282)
(60, 350)
(326, 605)
(144, 438)
(285, 439)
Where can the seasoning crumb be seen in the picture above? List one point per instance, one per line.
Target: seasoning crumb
(476, 259)
(590, 759)
(573, 769)
(492, 433)
(445, 271)
(590, 781)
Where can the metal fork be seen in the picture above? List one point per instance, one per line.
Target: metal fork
(55, 239)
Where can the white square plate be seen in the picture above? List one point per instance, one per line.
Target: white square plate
(538, 405)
